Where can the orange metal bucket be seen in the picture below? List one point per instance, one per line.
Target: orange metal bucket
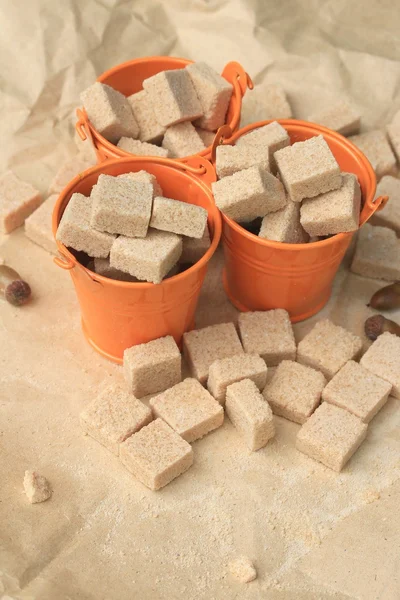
(118, 314)
(128, 77)
(260, 274)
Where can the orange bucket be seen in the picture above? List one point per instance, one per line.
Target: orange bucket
(128, 77)
(118, 314)
(260, 274)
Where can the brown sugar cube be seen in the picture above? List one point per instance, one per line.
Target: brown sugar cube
(75, 230)
(357, 390)
(269, 138)
(38, 225)
(202, 347)
(18, 200)
(268, 101)
(144, 177)
(149, 130)
(393, 131)
(327, 347)
(232, 369)
(269, 334)
(214, 93)
(121, 205)
(294, 391)
(68, 170)
(178, 217)
(231, 159)
(341, 117)
(249, 194)
(337, 211)
(173, 97)
(389, 216)
(113, 416)
(284, 225)
(102, 267)
(109, 112)
(182, 140)
(189, 409)
(377, 253)
(156, 455)
(249, 413)
(375, 146)
(193, 249)
(331, 436)
(141, 148)
(152, 367)
(383, 359)
(148, 259)
(36, 487)
(308, 169)
(206, 136)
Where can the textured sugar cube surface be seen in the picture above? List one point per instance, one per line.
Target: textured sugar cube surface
(249, 194)
(269, 334)
(18, 200)
(341, 117)
(149, 129)
(231, 159)
(75, 230)
(206, 136)
(102, 267)
(357, 390)
(152, 367)
(121, 205)
(249, 413)
(383, 359)
(145, 177)
(178, 217)
(265, 102)
(202, 347)
(113, 416)
(149, 258)
(68, 170)
(243, 569)
(375, 146)
(193, 249)
(189, 409)
(377, 253)
(327, 347)
(294, 391)
(156, 455)
(213, 92)
(269, 138)
(229, 370)
(389, 216)
(173, 97)
(337, 211)
(393, 131)
(36, 487)
(38, 226)
(182, 140)
(308, 168)
(109, 112)
(331, 436)
(284, 225)
(141, 148)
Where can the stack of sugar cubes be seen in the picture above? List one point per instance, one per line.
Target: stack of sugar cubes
(131, 231)
(175, 114)
(287, 193)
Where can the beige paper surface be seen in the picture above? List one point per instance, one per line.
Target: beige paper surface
(313, 534)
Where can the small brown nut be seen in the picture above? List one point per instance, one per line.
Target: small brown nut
(377, 324)
(387, 298)
(12, 287)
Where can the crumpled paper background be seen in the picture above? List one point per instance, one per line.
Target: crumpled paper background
(312, 534)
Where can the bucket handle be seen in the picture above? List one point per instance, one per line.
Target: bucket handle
(223, 133)
(240, 79)
(370, 207)
(64, 263)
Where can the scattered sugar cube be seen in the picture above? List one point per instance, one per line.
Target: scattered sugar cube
(225, 371)
(265, 102)
(375, 146)
(269, 138)
(294, 391)
(331, 436)
(337, 211)
(18, 200)
(156, 455)
(141, 148)
(193, 249)
(75, 230)
(357, 390)
(269, 334)
(327, 347)
(214, 93)
(206, 136)
(249, 194)
(179, 217)
(189, 409)
(173, 97)
(393, 131)
(149, 258)
(109, 112)
(389, 216)
(145, 177)
(102, 267)
(149, 129)
(231, 159)
(38, 226)
(182, 140)
(202, 347)
(377, 253)
(113, 416)
(308, 168)
(37, 488)
(121, 205)
(383, 359)
(341, 117)
(68, 170)
(284, 225)
(249, 413)
(152, 367)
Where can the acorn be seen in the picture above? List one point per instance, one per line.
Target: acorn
(377, 324)
(387, 298)
(12, 288)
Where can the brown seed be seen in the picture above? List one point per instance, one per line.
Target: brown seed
(377, 324)
(387, 298)
(12, 287)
